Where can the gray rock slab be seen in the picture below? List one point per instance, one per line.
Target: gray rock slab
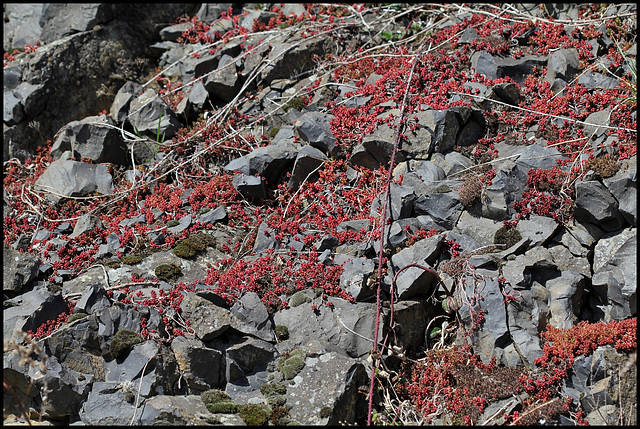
(565, 298)
(481, 229)
(623, 187)
(413, 282)
(287, 59)
(330, 380)
(218, 214)
(539, 229)
(347, 328)
(305, 167)
(150, 115)
(249, 357)
(84, 224)
(353, 279)
(93, 298)
(19, 269)
(202, 367)
(443, 208)
(615, 276)
(30, 310)
(106, 405)
(74, 179)
(223, 84)
(253, 317)
(251, 187)
(121, 103)
(94, 138)
(268, 161)
(563, 64)
(314, 128)
(174, 410)
(595, 204)
(23, 25)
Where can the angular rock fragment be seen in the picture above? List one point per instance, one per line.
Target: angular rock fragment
(74, 179)
(595, 204)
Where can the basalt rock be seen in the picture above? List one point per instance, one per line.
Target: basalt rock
(66, 178)
(118, 359)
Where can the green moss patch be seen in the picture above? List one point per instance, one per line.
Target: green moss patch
(255, 414)
(325, 412)
(273, 389)
(188, 247)
(131, 260)
(122, 342)
(167, 272)
(282, 332)
(298, 298)
(76, 316)
(218, 401)
(507, 235)
(296, 103)
(291, 365)
(229, 407)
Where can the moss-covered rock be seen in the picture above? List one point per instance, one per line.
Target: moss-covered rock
(276, 400)
(76, 316)
(255, 414)
(325, 412)
(271, 389)
(131, 260)
(214, 395)
(290, 366)
(507, 235)
(282, 332)
(122, 342)
(188, 247)
(172, 223)
(218, 401)
(298, 298)
(184, 251)
(167, 272)
(223, 407)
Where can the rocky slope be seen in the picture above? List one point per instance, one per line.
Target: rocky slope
(320, 214)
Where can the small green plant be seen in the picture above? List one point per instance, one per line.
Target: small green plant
(391, 36)
(159, 138)
(183, 250)
(188, 247)
(296, 103)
